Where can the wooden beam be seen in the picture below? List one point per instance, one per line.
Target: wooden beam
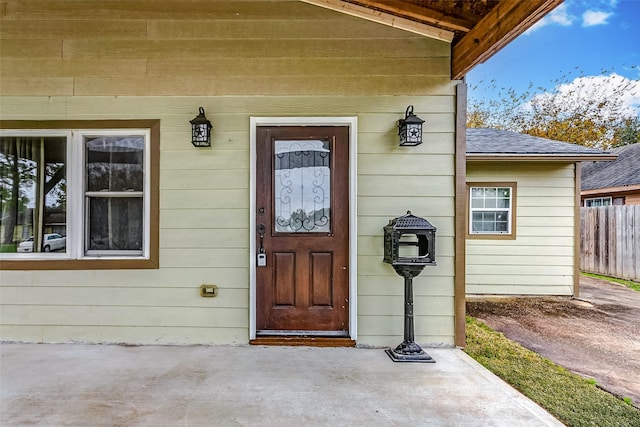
(384, 18)
(460, 275)
(420, 13)
(505, 22)
(576, 229)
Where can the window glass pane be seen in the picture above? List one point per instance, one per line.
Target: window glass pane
(490, 203)
(115, 163)
(488, 226)
(302, 186)
(33, 194)
(115, 223)
(489, 216)
(477, 203)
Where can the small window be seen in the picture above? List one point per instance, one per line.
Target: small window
(597, 201)
(491, 210)
(78, 195)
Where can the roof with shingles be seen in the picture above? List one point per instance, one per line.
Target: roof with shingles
(625, 170)
(501, 142)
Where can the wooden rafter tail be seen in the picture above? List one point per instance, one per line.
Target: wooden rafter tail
(420, 13)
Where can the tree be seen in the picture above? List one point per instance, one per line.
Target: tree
(18, 181)
(15, 173)
(629, 133)
(595, 111)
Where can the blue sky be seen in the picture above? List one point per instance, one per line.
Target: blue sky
(593, 35)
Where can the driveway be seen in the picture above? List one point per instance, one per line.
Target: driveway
(104, 385)
(596, 336)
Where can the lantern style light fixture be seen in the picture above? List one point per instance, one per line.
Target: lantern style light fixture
(410, 128)
(201, 130)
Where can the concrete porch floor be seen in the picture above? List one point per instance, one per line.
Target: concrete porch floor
(106, 385)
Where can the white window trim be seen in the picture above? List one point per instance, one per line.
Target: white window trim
(352, 123)
(75, 217)
(591, 199)
(80, 236)
(508, 210)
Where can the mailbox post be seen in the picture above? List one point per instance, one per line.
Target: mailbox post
(409, 246)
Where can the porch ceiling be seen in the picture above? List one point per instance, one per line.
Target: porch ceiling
(476, 28)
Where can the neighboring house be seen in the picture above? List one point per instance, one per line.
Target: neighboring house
(523, 217)
(54, 221)
(613, 183)
(165, 242)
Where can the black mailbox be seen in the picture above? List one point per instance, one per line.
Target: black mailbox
(409, 246)
(409, 241)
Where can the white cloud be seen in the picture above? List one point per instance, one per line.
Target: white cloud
(614, 87)
(610, 3)
(595, 17)
(559, 16)
(562, 16)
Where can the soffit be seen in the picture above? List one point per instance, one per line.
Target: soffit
(477, 29)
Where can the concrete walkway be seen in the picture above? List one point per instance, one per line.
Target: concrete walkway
(109, 385)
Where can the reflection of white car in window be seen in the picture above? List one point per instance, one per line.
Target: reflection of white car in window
(50, 242)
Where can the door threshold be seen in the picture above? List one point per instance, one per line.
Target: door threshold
(300, 333)
(309, 341)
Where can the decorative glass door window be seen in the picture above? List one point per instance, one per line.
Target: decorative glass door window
(302, 186)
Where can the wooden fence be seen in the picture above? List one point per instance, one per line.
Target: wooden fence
(610, 241)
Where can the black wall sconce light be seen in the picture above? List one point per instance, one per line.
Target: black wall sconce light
(201, 130)
(410, 128)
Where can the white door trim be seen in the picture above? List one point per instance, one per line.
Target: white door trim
(352, 123)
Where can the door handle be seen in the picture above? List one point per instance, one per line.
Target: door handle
(262, 256)
(261, 230)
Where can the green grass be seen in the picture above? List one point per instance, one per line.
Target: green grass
(573, 400)
(11, 247)
(628, 283)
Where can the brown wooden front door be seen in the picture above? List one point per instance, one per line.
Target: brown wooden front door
(302, 223)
